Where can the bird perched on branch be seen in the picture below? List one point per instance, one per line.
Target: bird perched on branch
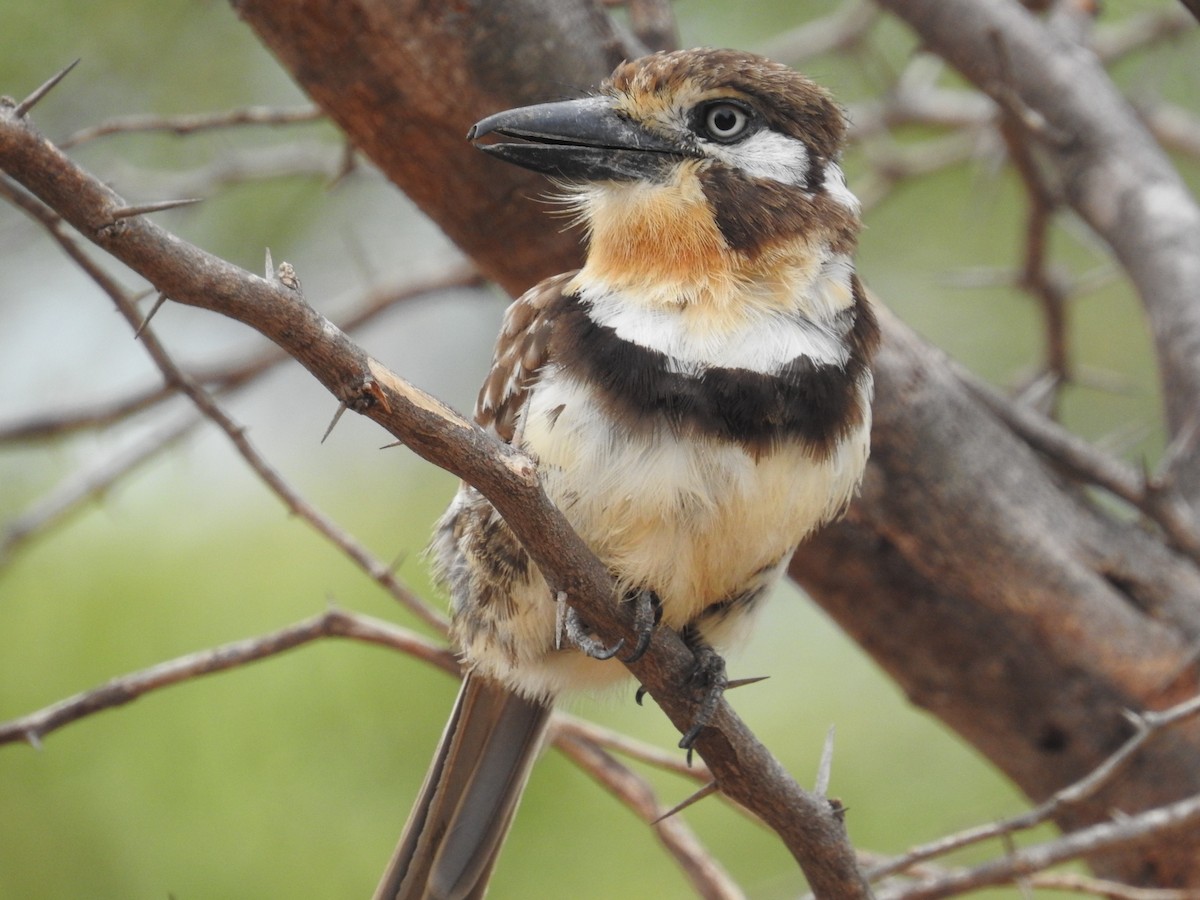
(697, 398)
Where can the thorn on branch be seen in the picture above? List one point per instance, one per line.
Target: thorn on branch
(1177, 452)
(162, 298)
(342, 407)
(142, 209)
(710, 788)
(560, 622)
(285, 274)
(29, 102)
(745, 682)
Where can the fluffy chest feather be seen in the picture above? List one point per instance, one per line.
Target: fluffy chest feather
(694, 519)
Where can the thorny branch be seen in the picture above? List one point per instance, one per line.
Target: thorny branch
(195, 122)
(707, 877)
(1154, 824)
(1147, 726)
(208, 407)
(126, 688)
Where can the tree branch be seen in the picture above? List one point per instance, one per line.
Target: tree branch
(1111, 171)
(127, 688)
(706, 875)
(1148, 826)
(1147, 725)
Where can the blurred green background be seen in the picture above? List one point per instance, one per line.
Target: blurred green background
(292, 777)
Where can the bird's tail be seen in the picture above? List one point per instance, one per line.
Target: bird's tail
(466, 805)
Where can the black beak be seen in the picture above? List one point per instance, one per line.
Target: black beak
(578, 140)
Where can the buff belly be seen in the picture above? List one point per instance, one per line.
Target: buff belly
(699, 521)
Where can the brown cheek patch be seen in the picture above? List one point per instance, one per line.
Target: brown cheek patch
(754, 215)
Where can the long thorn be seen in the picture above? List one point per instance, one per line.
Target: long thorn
(825, 768)
(743, 682)
(29, 102)
(162, 298)
(128, 212)
(710, 788)
(342, 407)
(271, 276)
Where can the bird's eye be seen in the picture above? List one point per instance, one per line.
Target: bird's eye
(725, 122)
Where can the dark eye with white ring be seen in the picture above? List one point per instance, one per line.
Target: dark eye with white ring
(725, 122)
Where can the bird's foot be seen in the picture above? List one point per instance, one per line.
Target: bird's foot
(582, 637)
(646, 613)
(708, 682)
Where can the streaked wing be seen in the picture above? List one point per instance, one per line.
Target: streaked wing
(521, 352)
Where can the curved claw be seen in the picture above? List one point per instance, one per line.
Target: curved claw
(709, 678)
(584, 641)
(647, 611)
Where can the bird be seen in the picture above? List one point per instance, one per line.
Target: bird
(696, 397)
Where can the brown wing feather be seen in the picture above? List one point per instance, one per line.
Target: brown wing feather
(521, 352)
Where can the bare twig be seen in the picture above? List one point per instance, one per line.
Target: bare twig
(891, 163)
(88, 484)
(1135, 33)
(1153, 824)
(119, 691)
(1147, 725)
(627, 746)
(328, 163)
(706, 875)
(194, 122)
(1163, 506)
(1037, 278)
(1111, 890)
(842, 30)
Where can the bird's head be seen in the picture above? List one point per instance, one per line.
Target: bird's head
(710, 168)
